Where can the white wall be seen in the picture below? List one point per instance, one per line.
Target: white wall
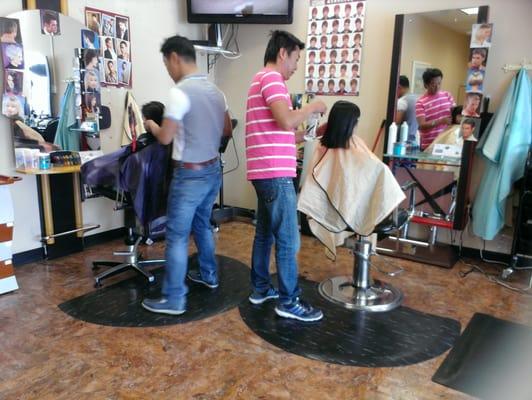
(511, 42)
(151, 22)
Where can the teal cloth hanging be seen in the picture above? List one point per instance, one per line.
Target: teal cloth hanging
(65, 137)
(504, 149)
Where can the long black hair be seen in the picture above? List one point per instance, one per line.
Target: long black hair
(342, 120)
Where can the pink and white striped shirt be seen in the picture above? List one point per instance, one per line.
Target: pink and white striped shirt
(433, 107)
(270, 150)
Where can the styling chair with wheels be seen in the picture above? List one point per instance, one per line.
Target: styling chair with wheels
(360, 291)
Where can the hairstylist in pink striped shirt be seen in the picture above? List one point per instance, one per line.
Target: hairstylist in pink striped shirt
(433, 109)
(271, 166)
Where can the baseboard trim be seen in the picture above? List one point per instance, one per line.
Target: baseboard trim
(28, 256)
(470, 252)
(103, 237)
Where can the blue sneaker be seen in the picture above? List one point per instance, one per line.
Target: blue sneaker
(195, 276)
(259, 298)
(299, 310)
(164, 306)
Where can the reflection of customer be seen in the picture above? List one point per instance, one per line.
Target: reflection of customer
(9, 31)
(271, 167)
(406, 107)
(472, 104)
(196, 136)
(433, 108)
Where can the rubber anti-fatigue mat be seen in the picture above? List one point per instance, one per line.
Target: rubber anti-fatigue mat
(492, 359)
(120, 304)
(358, 338)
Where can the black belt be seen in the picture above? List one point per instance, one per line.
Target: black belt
(194, 165)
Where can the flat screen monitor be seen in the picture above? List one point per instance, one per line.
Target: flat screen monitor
(240, 11)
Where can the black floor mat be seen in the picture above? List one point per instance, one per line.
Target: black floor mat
(119, 304)
(492, 359)
(390, 339)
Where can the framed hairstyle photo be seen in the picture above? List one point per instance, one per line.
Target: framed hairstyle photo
(416, 81)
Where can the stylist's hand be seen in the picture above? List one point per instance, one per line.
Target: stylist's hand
(321, 130)
(150, 125)
(318, 106)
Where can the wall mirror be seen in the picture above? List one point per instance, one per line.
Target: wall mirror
(442, 166)
(47, 68)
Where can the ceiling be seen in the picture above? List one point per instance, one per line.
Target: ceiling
(455, 20)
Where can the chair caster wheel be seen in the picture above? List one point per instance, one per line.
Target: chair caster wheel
(151, 280)
(505, 274)
(97, 284)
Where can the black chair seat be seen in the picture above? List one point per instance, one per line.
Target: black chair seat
(388, 224)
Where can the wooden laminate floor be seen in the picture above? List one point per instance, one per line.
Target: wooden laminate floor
(45, 354)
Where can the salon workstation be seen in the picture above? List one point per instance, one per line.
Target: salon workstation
(275, 199)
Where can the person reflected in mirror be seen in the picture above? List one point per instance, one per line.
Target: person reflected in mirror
(50, 22)
(360, 10)
(93, 22)
(90, 58)
(109, 51)
(472, 105)
(8, 30)
(13, 82)
(353, 84)
(321, 84)
(332, 71)
(13, 56)
(122, 31)
(313, 43)
(123, 51)
(358, 25)
(124, 72)
(347, 28)
(91, 82)
(330, 87)
(11, 106)
(341, 85)
(478, 58)
(481, 36)
(433, 108)
(406, 107)
(358, 41)
(110, 72)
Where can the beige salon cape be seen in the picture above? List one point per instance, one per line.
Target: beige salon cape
(347, 188)
(132, 125)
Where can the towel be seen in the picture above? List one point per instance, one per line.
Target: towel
(347, 189)
(132, 125)
(504, 149)
(65, 137)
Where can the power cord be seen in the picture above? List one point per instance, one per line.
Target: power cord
(237, 159)
(494, 278)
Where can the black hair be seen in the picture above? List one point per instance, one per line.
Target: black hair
(360, 4)
(321, 81)
(88, 55)
(8, 25)
(153, 110)
(49, 17)
(181, 46)
(108, 40)
(470, 122)
(281, 40)
(342, 120)
(358, 20)
(484, 26)
(455, 112)
(123, 42)
(482, 52)
(430, 74)
(404, 82)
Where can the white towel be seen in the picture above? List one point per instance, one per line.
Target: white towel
(347, 189)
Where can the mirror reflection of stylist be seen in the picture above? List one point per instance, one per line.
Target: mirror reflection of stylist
(433, 108)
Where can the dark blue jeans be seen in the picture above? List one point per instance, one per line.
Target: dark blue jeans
(192, 195)
(276, 221)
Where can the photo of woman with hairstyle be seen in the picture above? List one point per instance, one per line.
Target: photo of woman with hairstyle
(13, 56)
(13, 82)
(92, 82)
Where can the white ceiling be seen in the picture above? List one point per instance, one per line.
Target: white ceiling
(455, 20)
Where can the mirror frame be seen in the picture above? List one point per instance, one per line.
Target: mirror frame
(460, 218)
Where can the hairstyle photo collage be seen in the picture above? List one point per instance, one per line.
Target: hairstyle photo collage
(13, 101)
(334, 47)
(481, 35)
(109, 35)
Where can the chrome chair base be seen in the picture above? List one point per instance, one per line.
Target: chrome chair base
(377, 297)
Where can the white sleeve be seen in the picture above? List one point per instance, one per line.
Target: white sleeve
(225, 102)
(402, 104)
(178, 104)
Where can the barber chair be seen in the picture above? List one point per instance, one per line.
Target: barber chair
(360, 291)
(133, 258)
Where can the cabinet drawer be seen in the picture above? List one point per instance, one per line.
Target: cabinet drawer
(6, 269)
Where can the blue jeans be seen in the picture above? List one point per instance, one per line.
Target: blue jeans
(190, 200)
(276, 220)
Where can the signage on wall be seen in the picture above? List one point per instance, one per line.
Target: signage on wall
(334, 47)
(110, 33)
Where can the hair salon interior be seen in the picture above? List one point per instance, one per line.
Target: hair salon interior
(359, 191)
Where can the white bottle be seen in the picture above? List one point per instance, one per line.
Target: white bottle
(404, 132)
(312, 126)
(392, 138)
(418, 139)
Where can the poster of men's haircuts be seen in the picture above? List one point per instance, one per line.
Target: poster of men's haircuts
(334, 47)
(113, 35)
